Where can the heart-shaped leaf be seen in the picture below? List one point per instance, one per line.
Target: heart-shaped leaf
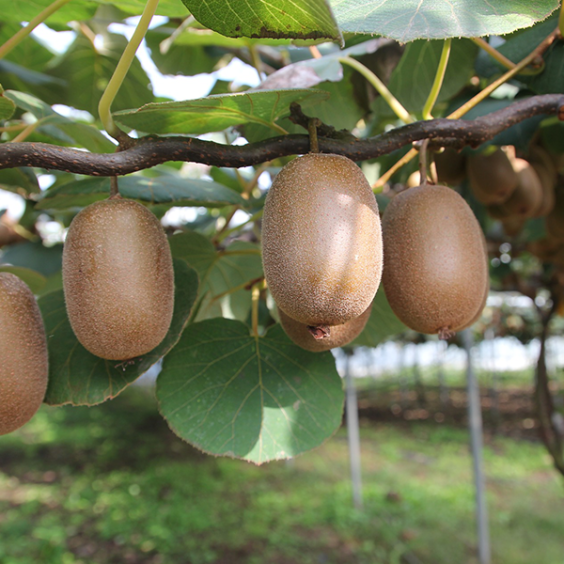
(230, 393)
(80, 378)
(406, 20)
(307, 19)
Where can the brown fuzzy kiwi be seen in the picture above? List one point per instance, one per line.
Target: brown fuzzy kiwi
(337, 336)
(492, 177)
(322, 241)
(527, 198)
(23, 352)
(539, 155)
(435, 263)
(548, 181)
(118, 279)
(451, 167)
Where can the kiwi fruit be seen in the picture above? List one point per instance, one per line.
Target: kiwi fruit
(322, 240)
(492, 177)
(118, 279)
(451, 167)
(23, 349)
(527, 198)
(435, 261)
(337, 336)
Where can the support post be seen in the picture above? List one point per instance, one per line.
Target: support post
(475, 424)
(353, 434)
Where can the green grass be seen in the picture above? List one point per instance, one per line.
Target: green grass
(112, 484)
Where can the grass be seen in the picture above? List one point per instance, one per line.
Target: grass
(112, 484)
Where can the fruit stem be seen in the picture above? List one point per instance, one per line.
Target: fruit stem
(493, 52)
(226, 232)
(312, 126)
(537, 52)
(423, 162)
(18, 37)
(380, 87)
(438, 82)
(114, 188)
(104, 107)
(256, 60)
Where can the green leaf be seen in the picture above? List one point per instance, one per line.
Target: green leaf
(87, 71)
(256, 398)
(36, 256)
(63, 128)
(406, 20)
(18, 180)
(7, 107)
(26, 10)
(167, 189)
(308, 19)
(80, 378)
(216, 113)
(220, 272)
(382, 323)
(412, 79)
(33, 279)
(171, 8)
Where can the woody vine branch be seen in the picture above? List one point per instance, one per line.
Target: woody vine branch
(150, 151)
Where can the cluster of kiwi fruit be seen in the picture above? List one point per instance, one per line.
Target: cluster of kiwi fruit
(118, 283)
(322, 249)
(323, 254)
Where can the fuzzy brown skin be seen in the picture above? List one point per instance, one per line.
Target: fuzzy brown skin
(527, 198)
(339, 335)
(118, 279)
(492, 177)
(435, 274)
(23, 354)
(322, 241)
(451, 167)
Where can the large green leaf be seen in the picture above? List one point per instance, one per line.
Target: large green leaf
(220, 273)
(406, 20)
(161, 190)
(216, 113)
(26, 10)
(307, 19)
(80, 378)
(34, 255)
(382, 323)
(87, 71)
(60, 127)
(412, 79)
(19, 180)
(257, 398)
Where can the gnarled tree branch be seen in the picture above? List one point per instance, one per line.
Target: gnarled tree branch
(150, 151)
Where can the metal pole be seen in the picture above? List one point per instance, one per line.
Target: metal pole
(475, 424)
(353, 435)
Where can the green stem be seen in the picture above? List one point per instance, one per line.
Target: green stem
(256, 60)
(465, 108)
(104, 107)
(16, 39)
(380, 87)
(438, 82)
(561, 20)
(255, 307)
(225, 233)
(493, 52)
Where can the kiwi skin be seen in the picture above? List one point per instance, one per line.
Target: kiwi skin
(339, 335)
(23, 349)
(322, 241)
(436, 270)
(492, 177)
(118, 279)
